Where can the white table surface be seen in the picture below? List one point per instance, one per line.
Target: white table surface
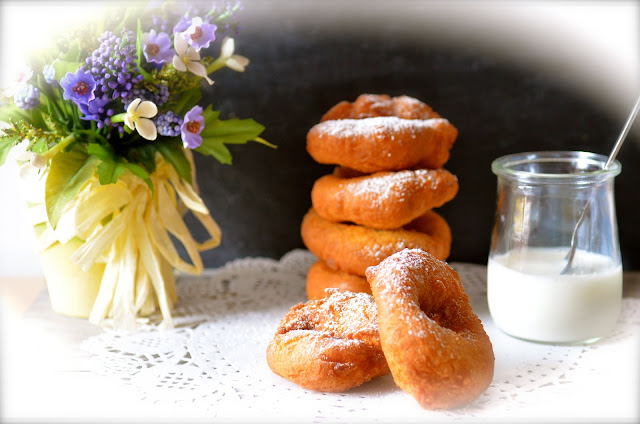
(62, 387)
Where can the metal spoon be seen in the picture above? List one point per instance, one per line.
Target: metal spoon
(612, 157)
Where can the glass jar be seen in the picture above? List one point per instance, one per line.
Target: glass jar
(540, 198)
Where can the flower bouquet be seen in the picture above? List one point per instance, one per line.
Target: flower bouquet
(107, 120)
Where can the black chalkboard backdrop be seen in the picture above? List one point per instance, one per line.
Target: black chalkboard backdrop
(297, 73)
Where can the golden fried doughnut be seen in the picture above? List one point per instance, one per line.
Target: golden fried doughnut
(371, 105)
(435, 345)
(383, 143)
(321, 277)
(330, 344)
(344, 172)
(383, 200)
(354, 248)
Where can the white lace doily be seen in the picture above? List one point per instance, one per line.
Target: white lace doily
(213, 363)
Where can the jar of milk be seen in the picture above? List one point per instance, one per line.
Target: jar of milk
(541, 196)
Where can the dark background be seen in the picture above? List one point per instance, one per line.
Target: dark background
(297, 73)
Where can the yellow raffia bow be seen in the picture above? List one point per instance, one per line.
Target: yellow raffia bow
(127, 227)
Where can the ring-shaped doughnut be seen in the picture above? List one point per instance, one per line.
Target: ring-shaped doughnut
(435, 345)
(354, 248)
(330, 344)
(384, 143)
(384, 200)
(371, 105)
(320, 277)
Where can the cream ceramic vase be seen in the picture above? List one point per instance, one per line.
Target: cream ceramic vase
(72, 291)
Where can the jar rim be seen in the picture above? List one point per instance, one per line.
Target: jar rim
(587, 167)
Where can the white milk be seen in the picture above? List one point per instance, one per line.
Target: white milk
(530, 299)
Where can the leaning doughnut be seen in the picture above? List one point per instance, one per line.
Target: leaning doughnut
(383, 200)
(354, 248)
(384, 143)
(371, 105)
(321, 277)
(331, 344)
(436, 347)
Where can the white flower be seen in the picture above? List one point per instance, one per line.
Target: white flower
(21, 77)
(31, 163)
(187, 58)
(235, 62)
(137, 112)
(38, 161)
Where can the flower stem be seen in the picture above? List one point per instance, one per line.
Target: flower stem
(118, 118)
(59, 147)
(93, 134)
(219, 63)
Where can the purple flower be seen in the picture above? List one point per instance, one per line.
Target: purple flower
(168, 124)
(159, 22)
(157, 47)
(200, 34)
(27, 98)
(182, 26)
(79, 87)
(113, 65)
(96, 110)
(159, 96)
(49, 74)
(192, 127)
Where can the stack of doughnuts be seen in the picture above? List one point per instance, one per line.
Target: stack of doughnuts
(379, 200)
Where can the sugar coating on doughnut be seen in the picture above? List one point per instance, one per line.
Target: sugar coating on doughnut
(383, 185)
(330, 344)
(371, 105)
(435, 345)
(377, 126)
(384, 200)
(384, 143)
(353, 248)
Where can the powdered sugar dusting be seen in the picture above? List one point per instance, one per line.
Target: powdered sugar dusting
(396, 280)
(374, 127)
(412, 102)
(342, 315)
(381, 251)
(316, 340)
(405, 264)
(379, 187)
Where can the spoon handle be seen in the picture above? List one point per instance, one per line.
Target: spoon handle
(623, 134)
(612, 157)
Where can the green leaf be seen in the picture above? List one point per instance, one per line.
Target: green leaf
(52, 125)
(62, 67)
(187, 100)
(217, 133)
(74, 53)
(232, 131)
(6, 143)
(217, 150)
(140, 172)
(109, 171)
(40, 146)
(173, 152)
(13, 112)
(68, 172)
(112, 166)
(104, 152)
